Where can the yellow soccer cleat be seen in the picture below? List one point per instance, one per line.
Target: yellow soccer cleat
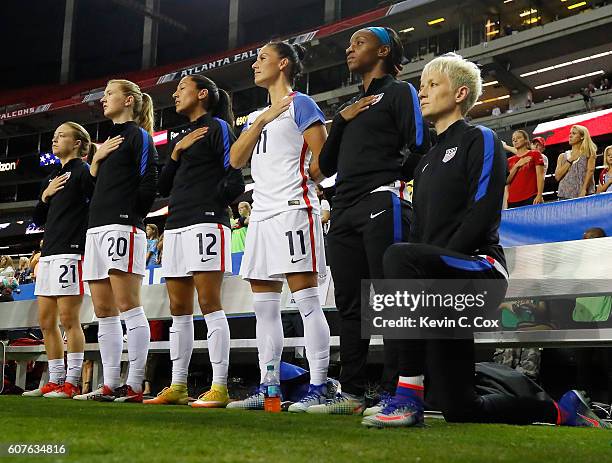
(176, 394)
(216, 397)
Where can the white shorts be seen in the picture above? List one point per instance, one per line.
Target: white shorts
(118, 247)
(288, 242)
(205, 247)
(60, 275)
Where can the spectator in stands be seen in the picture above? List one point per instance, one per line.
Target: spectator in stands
(240, 227)
(526, 178)
(152, 239)
(604, 84)
(7, 268)
(23, 274)
(539, 144)
(160, 249)
(586, 96)
(8, 282)
(576, 166)
(605, 177)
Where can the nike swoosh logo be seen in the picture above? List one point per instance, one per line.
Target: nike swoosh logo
(115, 260)
(306, 315)
(211, 333)
(65, 286)
(425, 167)
(373, 216)
(293, 261)
(594, 422)
(132, 329)
(206, 260)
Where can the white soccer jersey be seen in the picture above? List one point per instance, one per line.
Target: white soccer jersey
(279, 165)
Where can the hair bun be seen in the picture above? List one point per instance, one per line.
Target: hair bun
(299, 50)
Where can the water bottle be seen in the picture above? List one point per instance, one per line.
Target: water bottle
(272, 391)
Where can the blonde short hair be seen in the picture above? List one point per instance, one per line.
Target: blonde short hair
(461, 73)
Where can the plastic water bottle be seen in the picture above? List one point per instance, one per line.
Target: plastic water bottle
(272, 391)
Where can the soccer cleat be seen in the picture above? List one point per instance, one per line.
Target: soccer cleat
(397, 413)
(41, 391)
(102, 394)
(383, 401)
(575, 411)
(125, 393)
(176, 394)
(67, 391)
(316, 395)
(253, 402)
(216, 397)
(341, 404)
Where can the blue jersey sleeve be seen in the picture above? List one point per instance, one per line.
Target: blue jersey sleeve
(306, 112)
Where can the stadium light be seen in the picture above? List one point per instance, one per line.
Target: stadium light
(493, 82)
(532, 20)
(410, 29)
(493, 32)
(433, 22)
(576, 5)
(569, 79)
(490, 100)
(567, 63)
(507, 1)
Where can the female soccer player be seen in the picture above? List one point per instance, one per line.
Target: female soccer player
(369, 214)
(125, 177)
(62, 210)
(285, 239)
(197, 234)
(457, 201)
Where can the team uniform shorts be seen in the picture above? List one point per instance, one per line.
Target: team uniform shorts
(288, 242)
(114, 247)
(60, 275)
(204, 247)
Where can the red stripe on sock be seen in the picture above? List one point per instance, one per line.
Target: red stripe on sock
(411, 386)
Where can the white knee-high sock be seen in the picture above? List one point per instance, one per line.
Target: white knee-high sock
(138, 339)
(181, 347)
(218, 345)
(110, 339)
(316, 333)
(269, 330)
(75, 365)
(57, 373)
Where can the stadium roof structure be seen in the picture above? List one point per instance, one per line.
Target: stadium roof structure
(512, 64)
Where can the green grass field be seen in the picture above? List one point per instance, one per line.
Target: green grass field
(126, 433)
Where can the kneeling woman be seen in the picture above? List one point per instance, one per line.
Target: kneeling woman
(454, 235)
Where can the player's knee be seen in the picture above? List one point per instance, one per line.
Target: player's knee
(397, 261)
(208, 305)
(69, 321)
